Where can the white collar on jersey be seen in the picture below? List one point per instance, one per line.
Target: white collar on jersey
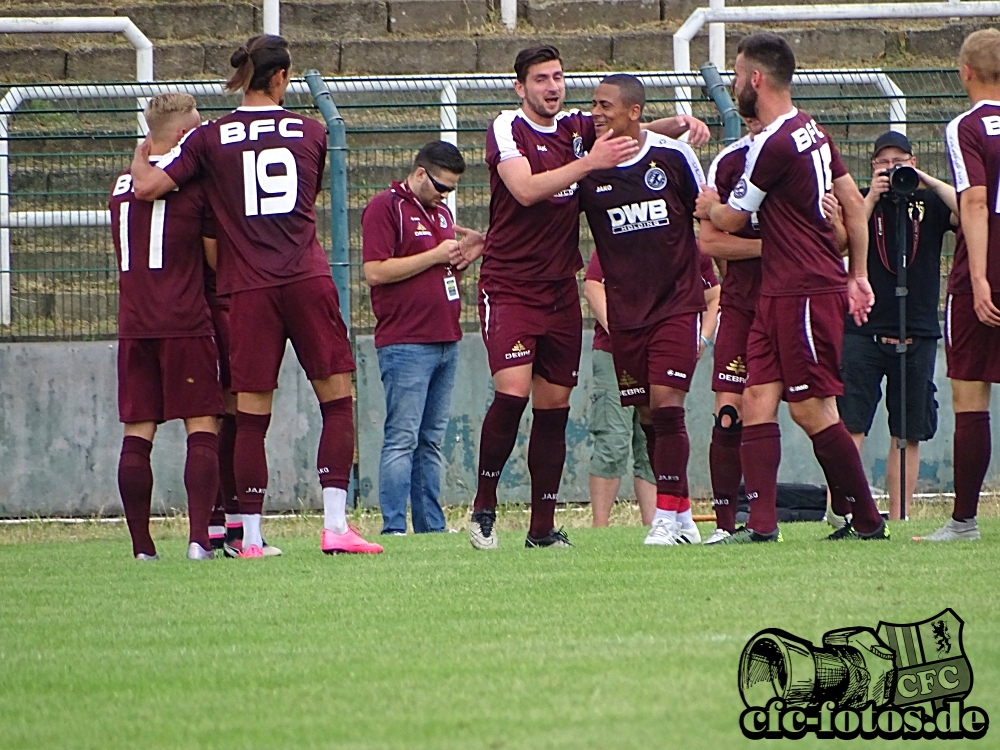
(261, 108)
(535, 126)
(647, 141)
(779, 121)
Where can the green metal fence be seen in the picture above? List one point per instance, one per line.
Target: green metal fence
(64, 151)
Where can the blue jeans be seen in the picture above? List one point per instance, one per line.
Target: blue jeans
(418, 380)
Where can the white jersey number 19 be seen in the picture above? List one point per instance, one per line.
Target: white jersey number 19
(822, 158)
(282, 189)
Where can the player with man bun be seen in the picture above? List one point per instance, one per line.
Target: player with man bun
(262, 166)
(167, 357)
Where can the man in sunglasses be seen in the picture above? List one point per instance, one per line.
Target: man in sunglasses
(869, 351)
(412, 262)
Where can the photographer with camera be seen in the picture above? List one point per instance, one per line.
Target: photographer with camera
(870, 352)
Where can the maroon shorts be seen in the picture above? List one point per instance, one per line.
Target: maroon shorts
(164, 379)
(796, 341)
(971, 347)
(664, 353)
(730, 354)
(220, 319)
(262, 320)
(542, 327)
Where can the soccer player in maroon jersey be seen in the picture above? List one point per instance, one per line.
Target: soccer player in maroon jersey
(529, 302)
(972, 313)
(793, 348)
(262, 167)
(167, 358)
(641, 214)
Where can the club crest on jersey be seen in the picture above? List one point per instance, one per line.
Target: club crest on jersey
(656, 178)
(741, 188)
(442, 222)
(577, 146)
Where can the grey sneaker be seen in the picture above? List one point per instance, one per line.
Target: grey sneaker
(197, 552)
(481, 532)
(837, 522)
(719, 536)
(953, 531)
(143, 557)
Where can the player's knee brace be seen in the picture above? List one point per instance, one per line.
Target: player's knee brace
(735, 423)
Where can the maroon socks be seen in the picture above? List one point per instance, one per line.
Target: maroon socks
(135, 484)
(845, 474)
(251, 461)
(201, 480)
(546, 456)
(496, 441)
(727, 470)
(670, 455)
(227, 477)
(971, 460)
(760, 453)
(336, 443)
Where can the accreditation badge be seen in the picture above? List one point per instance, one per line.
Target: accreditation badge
(451, 287)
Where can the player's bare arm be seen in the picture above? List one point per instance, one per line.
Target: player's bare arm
(675, 127)
(722, 215)
(529, 189)
(148, 182)
(975, 220)
(709, 318)
(211, 247)
(597, 298)
(391, 270)
(861, 298)
(724, 246)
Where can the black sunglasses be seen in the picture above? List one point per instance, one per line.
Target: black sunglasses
(443, 189)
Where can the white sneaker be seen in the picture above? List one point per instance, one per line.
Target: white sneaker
(953, 531)
(270, 550)
(482, 535)
(718, 536)
(687, 534)
(661, 534)
(197, 552)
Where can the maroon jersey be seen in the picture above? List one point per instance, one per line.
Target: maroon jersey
(539, 242)
(641, 214)
(161, 258)
(602, 342)
(707, 270)
(262, 168)
(973, 142)
(790, 166)
(741, 284)
(423, 309)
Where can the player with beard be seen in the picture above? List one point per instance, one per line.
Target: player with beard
(263, 166)
(641, 214)
(529, 302)
(167, 357)
(793, 348)
(972, 314)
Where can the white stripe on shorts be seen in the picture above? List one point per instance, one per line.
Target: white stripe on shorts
(809, 330)
(947, 320)
(486, 319)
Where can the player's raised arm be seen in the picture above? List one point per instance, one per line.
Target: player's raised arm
(528, 188)
(675, 127)
(148, 182)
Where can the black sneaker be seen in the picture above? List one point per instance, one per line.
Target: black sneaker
(481, 529)
(847, 531)
(552, 539)
(743, 535)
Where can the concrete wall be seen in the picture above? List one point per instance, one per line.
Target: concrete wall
(60, 436)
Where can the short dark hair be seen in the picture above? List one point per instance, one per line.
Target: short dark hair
(257, 61)
(532, 56)
(630, 87)
(440, 155)
(772, 54)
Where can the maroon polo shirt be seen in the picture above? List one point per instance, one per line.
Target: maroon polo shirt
(416, 310)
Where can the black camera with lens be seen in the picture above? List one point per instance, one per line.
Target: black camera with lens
(903, 179)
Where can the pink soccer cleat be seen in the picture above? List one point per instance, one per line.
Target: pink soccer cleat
(349, 542)
(252, 551)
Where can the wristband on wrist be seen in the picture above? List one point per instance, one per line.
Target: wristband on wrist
(705, 341)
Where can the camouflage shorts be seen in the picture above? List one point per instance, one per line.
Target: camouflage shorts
(614, 428)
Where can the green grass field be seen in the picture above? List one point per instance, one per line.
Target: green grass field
(433, 645)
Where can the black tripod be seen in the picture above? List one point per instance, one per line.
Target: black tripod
(901, 202)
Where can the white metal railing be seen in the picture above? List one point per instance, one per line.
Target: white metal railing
(448, 87)
(272, 16)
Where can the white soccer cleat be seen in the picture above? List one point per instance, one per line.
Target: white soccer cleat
(482, 535)
(718, 536)
(270, 550)
(197, 552)
(953, 531)
(661, 534)
(687, 534)
(143, 557)
(837, 522)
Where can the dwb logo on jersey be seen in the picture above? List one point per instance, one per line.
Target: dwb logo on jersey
(635, 216)
(905, 681)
